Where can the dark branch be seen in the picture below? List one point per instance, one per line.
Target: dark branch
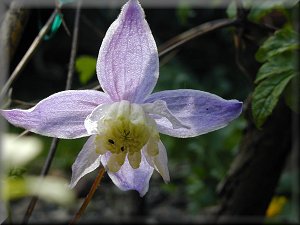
(193, 33)
(253, 176)
(37, 41)
(54, 144)
(44, 172)
(12, 27)
(74, 47)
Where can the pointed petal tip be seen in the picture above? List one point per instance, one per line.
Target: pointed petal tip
(4, 112)
(237, 106)
(167, 180)
(87, 161)
(18, 117)
(128, 178)
(202, 111)
(128, 64)
(71, 185)
(132, 8)
(166, 176)
(142, 193)
(133, 4)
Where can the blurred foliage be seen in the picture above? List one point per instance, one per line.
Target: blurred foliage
(198, 164)
(86, 68)
(184, 13)
(231, 10)
(259, 10)
(52, 189)
(284, 205)
(17, 152)
(276, 206)
(290, 94)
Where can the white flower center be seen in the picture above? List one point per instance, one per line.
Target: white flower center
(124, 129)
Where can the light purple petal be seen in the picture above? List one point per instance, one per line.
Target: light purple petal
(87, 161)
(91, 122)
(201, 111)
(159, 162)
(60, 115)
(131, 179)
(127, 65)
(160, 108)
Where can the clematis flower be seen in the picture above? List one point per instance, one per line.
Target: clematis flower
(125, 120)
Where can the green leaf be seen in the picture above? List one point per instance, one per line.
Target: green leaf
(266, 96)
(86, 67)
(282, 63)
(279, 56)
(183, 14)
(291, 94)
(231, 9)
(283, 40)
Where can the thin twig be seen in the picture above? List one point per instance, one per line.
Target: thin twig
(95, 86)
(12, 26)
(98, 87)
(95, 29)
(37, 41)
(23, 133)
(242, 14)
(64, 23)
(23, 103)
(89, 196)
(44, 172)
(168, 58)
(74, 47)
(54, 144)
(193, 33)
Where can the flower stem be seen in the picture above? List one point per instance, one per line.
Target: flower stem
(89, 196)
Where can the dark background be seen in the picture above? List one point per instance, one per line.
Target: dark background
(197, 165)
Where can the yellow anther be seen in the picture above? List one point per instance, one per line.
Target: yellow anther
(116, 161)
(125, 130)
